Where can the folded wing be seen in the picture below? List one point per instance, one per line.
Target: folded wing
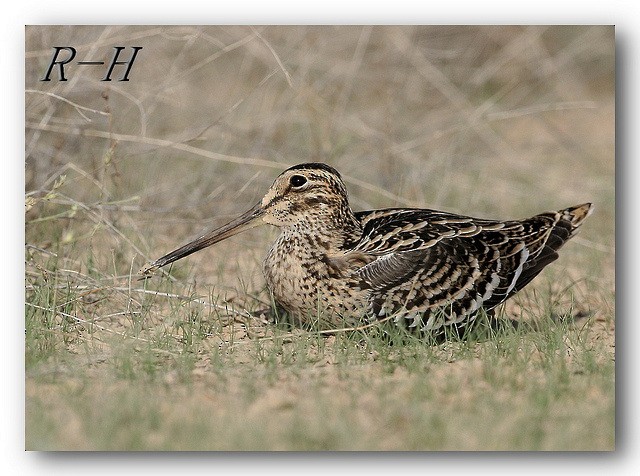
(435, 268)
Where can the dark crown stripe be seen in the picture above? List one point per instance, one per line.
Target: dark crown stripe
(316, 166)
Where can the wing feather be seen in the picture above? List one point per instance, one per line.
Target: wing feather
(437, 268)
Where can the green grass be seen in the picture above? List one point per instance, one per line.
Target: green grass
(417, 116)
(193, 380)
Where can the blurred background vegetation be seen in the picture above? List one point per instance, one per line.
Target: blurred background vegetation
(489, 121)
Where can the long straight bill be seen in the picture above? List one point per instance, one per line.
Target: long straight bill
(247, 220)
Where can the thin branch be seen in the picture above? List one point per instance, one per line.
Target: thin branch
(453, 94)
(320, 332)
(593, 245)
(78, 107)
(199, 152)
(185, 298)
(156, 143)
(275, 55)
(538, 108)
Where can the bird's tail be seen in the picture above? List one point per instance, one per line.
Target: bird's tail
(575, 216)
(566, 225)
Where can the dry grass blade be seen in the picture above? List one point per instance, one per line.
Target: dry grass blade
(287, 75)
(76, 106)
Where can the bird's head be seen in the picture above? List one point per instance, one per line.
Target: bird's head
(311, 195)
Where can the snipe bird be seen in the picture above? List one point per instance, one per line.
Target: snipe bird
(424, 268)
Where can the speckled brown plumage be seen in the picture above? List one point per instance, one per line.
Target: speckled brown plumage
(426, 268)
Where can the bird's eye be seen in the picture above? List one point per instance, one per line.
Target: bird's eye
(297, 180)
